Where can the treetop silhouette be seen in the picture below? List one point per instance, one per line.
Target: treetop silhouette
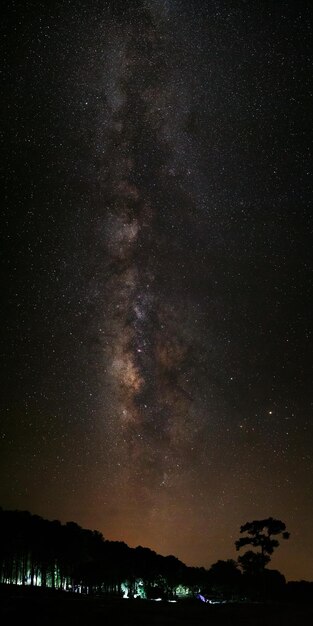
(260, 534)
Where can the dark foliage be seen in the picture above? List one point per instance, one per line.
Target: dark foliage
(38, 552)
(35, 552)
(260, 535)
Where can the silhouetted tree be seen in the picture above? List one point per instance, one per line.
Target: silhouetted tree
(224, 571)
(253, 563)
(224, 579)
(260, 534)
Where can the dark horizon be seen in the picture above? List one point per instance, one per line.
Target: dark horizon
(38, 552)
(156, 252)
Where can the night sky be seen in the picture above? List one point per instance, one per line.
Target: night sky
(156, 250)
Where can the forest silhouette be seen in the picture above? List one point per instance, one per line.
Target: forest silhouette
(35, 552)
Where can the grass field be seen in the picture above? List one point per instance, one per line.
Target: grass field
(47, 608)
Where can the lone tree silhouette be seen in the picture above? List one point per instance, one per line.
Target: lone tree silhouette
(260, 534)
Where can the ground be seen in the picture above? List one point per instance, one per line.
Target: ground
(47, 608)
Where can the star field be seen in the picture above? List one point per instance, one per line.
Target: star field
(156, 254)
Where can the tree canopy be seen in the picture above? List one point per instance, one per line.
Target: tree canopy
(261, 534)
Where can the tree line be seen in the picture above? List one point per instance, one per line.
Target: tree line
(36, 552)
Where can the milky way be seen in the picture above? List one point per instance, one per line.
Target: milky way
(149, 362)
(157, 223)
